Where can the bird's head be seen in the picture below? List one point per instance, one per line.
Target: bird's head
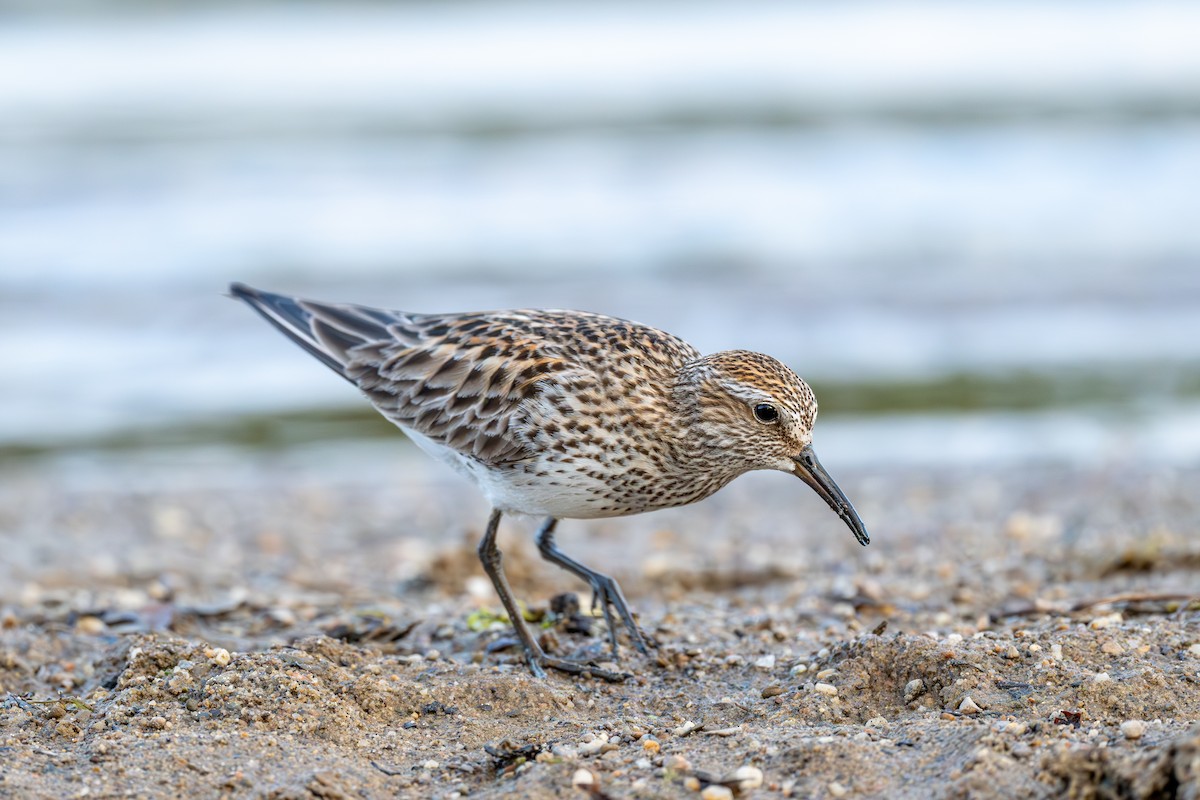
(749, 411)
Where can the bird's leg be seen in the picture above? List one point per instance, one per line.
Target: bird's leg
(489, 554)
(605, 591)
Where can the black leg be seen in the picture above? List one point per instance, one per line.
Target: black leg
(489, 554)
(605, 590)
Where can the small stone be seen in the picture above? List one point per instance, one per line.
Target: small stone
(651, 746)
(90, 625)
(826, 673)
(837, 790)
(1012, 652)
(684, 729)
(913, 689)
(1111, 648)
(766, 662)
(1107, 621)
(1056, 652)
(877, 722)
(746, 778)
(1016, 728)
(827, 689)
(583, 777)
(774, 690)
(1101, 677)
(692, 783)
(969, 706)
(1035, 648)
(218, 655)
(68, 729)
(1133, 728)
(1195, 650)
(677, 763)
(798, 669)
(590, 748)
(430, 765)
(716, 792)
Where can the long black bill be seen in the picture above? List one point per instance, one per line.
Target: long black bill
(809, 470)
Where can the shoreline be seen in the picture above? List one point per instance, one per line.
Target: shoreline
(294, 635)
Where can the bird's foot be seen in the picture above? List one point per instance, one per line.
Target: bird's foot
(607, 595)
(538, 662)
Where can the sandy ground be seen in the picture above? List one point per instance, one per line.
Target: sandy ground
(1009, 633)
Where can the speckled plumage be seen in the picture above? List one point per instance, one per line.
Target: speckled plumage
(566, 414)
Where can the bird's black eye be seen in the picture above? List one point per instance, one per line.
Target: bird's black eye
(765, 412)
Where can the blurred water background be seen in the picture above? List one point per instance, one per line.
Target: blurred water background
(974, 227)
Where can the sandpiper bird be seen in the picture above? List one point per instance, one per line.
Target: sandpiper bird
(567, 414)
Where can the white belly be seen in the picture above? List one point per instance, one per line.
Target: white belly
(574, 496)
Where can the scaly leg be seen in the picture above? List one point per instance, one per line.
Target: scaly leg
(605, 590)
(489, 554)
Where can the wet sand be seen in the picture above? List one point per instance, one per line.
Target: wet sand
(1009, 633)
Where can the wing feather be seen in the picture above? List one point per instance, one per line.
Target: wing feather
(470, 382)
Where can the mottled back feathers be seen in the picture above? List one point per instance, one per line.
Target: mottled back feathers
(479, 383)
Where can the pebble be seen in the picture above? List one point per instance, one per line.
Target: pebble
(1111, 648)
(837, 790)
(716, 792)
(826, 689)
(1056, 652)
(677, 763)
(969, 706)
(767, 662)
(826, 673)
(218, 655)
(746, 778)
(651, 746)
(913, 689)
(734, 731)
(583, 777)
(799, 669)
(1195, 649)
(594, 746)
(684, 729)
(1012, 652)
(89, 624)
(773, 690)
(1133, 728)
(1101, 677)
(1107, 621)
(430, 765)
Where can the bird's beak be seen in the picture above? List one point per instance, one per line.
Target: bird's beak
(809, 470)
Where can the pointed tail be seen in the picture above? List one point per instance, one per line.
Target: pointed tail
(300, 324)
